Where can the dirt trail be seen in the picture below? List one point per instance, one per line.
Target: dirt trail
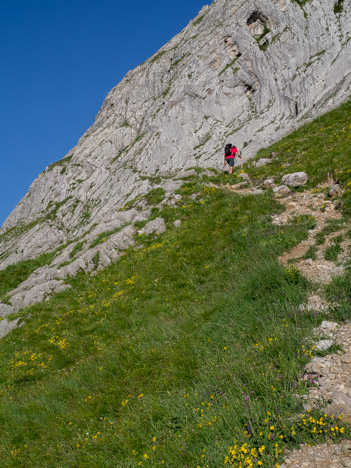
(332, 373)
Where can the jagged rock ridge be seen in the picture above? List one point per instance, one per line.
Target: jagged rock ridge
(247, 72)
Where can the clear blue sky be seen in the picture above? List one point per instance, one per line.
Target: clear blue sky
(58, 60)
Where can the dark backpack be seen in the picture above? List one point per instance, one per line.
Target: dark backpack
(227, 149)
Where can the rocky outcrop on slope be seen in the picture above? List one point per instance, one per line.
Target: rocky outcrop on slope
(93, 251)
(248, 72)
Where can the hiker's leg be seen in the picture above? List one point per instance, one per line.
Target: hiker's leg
(231, 165)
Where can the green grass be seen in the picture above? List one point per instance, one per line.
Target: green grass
(228, 66)
(77, 248)
(61, 162)
(311, 253)
(339, 293)
(333, 225)
(157, 56)
(188, 345)
(338, 6)
(199, 20)
(175, 349)
(319, 148)
(332, 252)
(155, 196)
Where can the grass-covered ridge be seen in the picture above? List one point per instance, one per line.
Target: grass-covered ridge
(186, 352)
(321, 148)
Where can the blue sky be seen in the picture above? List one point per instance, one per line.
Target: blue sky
(58, 60)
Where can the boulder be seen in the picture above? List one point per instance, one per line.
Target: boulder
(281, 189)
(296, 179)
(155, 226)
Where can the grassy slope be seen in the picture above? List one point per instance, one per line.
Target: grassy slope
(14, 275)
(183, 347)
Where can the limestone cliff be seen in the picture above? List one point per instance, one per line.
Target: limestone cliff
(247, 72)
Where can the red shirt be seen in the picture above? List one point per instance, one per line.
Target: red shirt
(233, 150)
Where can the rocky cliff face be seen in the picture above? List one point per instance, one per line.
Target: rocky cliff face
(242, 71)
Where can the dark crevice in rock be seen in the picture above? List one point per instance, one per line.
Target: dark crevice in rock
(231, 47)
(296, 109)
(257, 16)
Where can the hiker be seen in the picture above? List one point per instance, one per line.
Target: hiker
(230, 152)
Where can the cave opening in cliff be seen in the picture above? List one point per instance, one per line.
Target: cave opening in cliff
(256, 16)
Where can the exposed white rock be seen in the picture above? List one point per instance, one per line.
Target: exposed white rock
(295, 179)
(8, 325)
(281, 189)
(5, 310)
(323, 345)
(269, 182)
(37, 293)
(334, 190)
(155, 226)
(257, 191)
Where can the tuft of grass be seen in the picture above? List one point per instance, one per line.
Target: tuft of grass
(155, 196)
(17, 231)
(203, 141)
(77, 248)
(333, 225)
(338, 6)
(199, 20)
(61, 162)
(157, 56)
(311, 253)
(292, 274)
(332, 252)
(230, 64)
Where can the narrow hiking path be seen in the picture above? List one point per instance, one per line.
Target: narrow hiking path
(319, 258)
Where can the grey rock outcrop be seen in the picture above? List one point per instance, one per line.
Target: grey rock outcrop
(262, 162)
(334, 190)
(5, 310)
(295, 180)
(155, 226)
(8, 325)
(244, 72)
(323, 345)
